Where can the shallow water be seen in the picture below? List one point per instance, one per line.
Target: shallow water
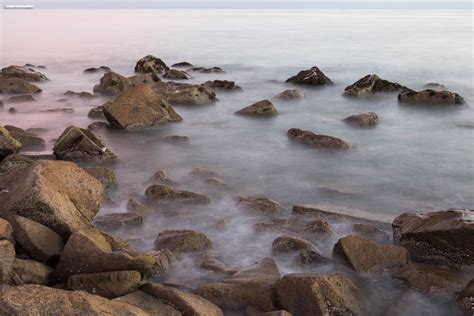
(415, 160)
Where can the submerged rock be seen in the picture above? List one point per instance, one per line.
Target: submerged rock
(150, 64)
(259, 109)
(17, 86)
(164, 193)
(363, 119)
(8, 144)
(21, 98)
(24, 73)
(207, 70)
(182, 241)
(176, 139)
(139, 107)
(162, 177)
(313, 76)
(466, 298)
(290, 94)
(82, 95)
(116, 220)
(78, 144)
(96, 112)
(430, 97)
(174, 74)
(371, 85)
(224, 85)
(444, 237)
(194, 95)
(98, 69)
(317, 140)
(133, 206)
(259, 204)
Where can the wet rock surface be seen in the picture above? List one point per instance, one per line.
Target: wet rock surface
(260, 109)
(372, 85)
(318, 141)
(164, 193)
(174, 74)
(313, 76)
(116, 220)
(430, 98)
(150, 64)
(28, 140)
(290, 94)
(106, 176)
(363, 119)
(222, 85)
(17, 86)
(259, 204)
(24, 73)
(112, 84)
(182, 241)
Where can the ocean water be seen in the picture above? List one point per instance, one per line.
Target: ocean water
(415, 160)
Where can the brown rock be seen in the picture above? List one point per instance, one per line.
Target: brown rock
(182, 241)
(317, 226)
(163, 193)
(24, 73)
(97, 126)
(317, 140)
(466, 298)
(371, 85)
(101, 68)
(150, 64)
(287, 244)
(112, 84)
(28, 140)
(143, 79)
(176, 139)
(313, 76)
(149, 304)
(194, 95)
(21, 98)
(116, 220)
(444, 237)
(259, 109)
(363, 119)
(182, 64)
(106, 176)
(363, 255)
(290, 94)
(203, 173)
(207, 70)
(96, 113)
(259, 204)
(17, 86)
(6, 230)
(222, 85)
(133, 206)
(8, 144)
(30, 272)
(309, 257)
(217, 183)
(430, 97)
(14, 161)
(82, 95)
(174, 74)
(7, 259)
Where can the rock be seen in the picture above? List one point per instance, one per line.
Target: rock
(112, 84)
(363, 255)
(136, 207)
(97, 126)
(182, 241)
(96, 113)
(187, 303)
(99, 69)
(89, 251)
(30, 272)
(318, 141)
(17, 86)
(466, 298)
(38, 241)
(261, 108)
(79, 144)
(176, 139)
(6, 230)
(288, 244)
(259, 204)
(290, 94)
(139, 107)
(430, 97)
(14, 161)
(106, 176)
(310, 257)
(82, 95)
(149, 304)
(317, 226)
(209, 261)
(371, 233)
(432, 278)
(371, 85)
(174, 74)
(363, 119)
(116, 220)
(106, 284)
(195, 95)
(251, 286)
(58, 110)
(222, 85)
(162, 177)
(41, 300)
(207, 70)
(150, 64)
(12, 110)
(182, 64)
(203, 173)
(165, 261)
(7, 259)
(250, 311)
(217, 183)
(444, 237)
(313, 76)
(23, 73)
(143, 79)
(57, 194)
(8, 144)
(435, 86)
(29, 141)
(312, 294)
(21, 98)
(164, 193)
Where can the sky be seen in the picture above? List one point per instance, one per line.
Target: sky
(247, 4)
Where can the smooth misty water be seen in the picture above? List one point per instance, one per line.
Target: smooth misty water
(415, 160)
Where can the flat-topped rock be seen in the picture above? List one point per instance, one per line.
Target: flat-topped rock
(81, 95)
(150, 64)
(288, 244)
(182, 64)
(193, 95)
(262, 108)
(430, 97)
(313, 76)
(164, 193)
(116, 220)
(363, 119)
(371, 85)
(98, 69)
(22, 98)
(24, 73)
(17, 86)
(259, 204)
(182, 241)
(222, 85)
(318, 141)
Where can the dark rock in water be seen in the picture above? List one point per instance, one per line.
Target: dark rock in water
(28, 140)
(139, 107)
(313, 76)
(78, 144)
(112, 84)
(314, 294)
(252, 286)
(260, 109)
(430, 97)
(316, 227)
(435, 86)
(182, 241)
(8, 144)
(17, 86)
(150, 64)
(176, 139)
(24, 73)
(162, 177)
(14, 161)
(99, 69)
(97, 126)
(12, 110)
(207, 70)
(174, 74)
(30, 272)
(143, 79)
(69, 198)
(216, 183)
(363, 255)
(133, 206)
(182, 64)
(203, 173)
(466, 298)
(7, 259)
(83, 95)
(317, 140)
(58, 110)
(371, 233)
(312, 257)
(288, 244)
(106, 176)
(96, 112)
(363, 119)
(224, 85)
(444, 237)
(106, 284)
(194, 95)
(1, 104)
(259, 204)
(116, 220)
(371, 85)
(21, 98)
(432, 278)
(290, 94)
(163, 193)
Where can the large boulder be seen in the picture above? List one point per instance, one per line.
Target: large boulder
(259, 109)
(363, 119)
(57, 194)
(139, 107)
(312, 294)
(252, 286)
(317, 140)
(24, 73)
(41, 300)
(182, 241)
(313, 76)
(430, 97)
(30, 272)
(444, 237)
(112, 84)
(187, 303)
(8, 144)
(7, 259)
(164, 193)
(17, 86)
(149, 304)
(364, 255)
(28, 140)
(79, 144)
(371, 85)
(150, 64)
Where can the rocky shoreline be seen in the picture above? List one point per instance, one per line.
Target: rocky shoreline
(59, 257)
